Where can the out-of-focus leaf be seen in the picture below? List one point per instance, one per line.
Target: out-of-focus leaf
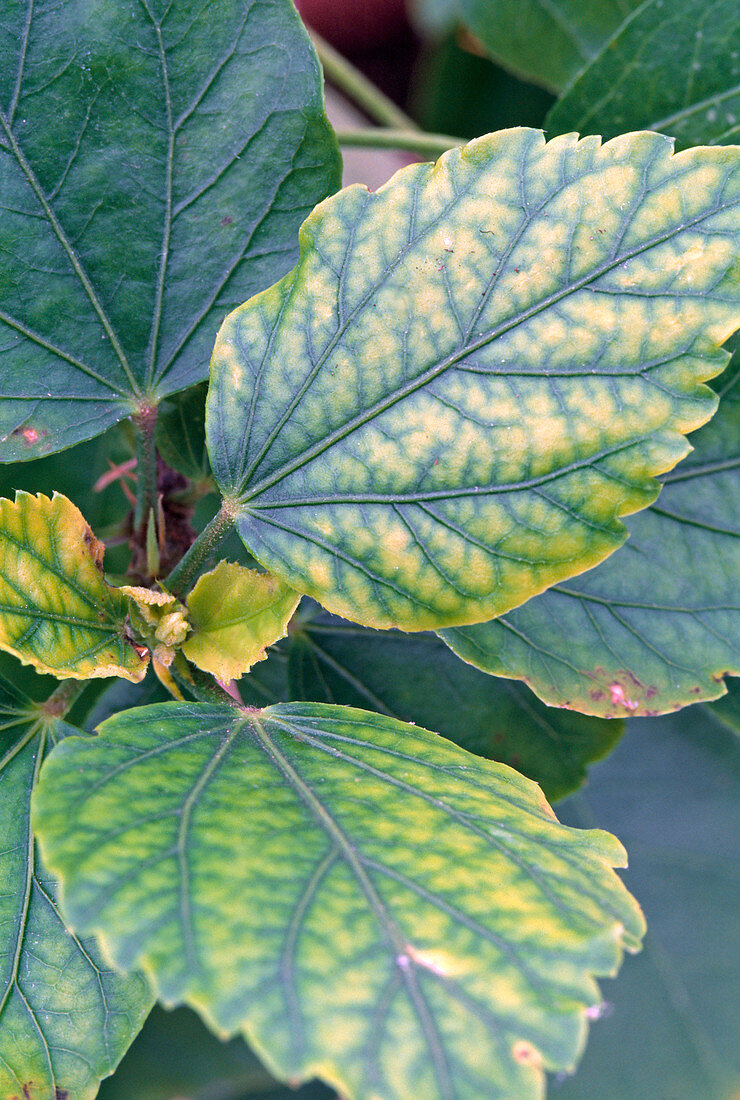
(56, 610)
(546, 41)
(362, 898)
(417, 679)
(670, 1029)
(473, 372)
(156, 161)
(65, 1017)
(673, 67)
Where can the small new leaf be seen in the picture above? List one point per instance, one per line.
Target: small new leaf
(56, 610)
(364, 900)
(235, 613)
(474, 372)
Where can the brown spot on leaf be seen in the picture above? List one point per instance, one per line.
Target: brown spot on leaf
(525, 1054)
(61, 1094)
(227, 219)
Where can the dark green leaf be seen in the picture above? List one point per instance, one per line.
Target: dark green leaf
(727, 709)
(473, 372)
(546, 41)
(670, 1028)
(65, 1017)
(181, 433)
(417, 679)
(363, 899)
(156, 160)
(656, 626)
(673, 67)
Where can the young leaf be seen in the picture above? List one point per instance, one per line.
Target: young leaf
(418, 680)
(658, 625)
(156, 161)
(545, 41)
(674, 67)
(364, 900)
(56, 610)
(472, 373)
(65, 1017)
(670, 1026)
(235, 613)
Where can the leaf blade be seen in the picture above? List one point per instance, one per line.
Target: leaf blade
(56, 610)
(655, 628)
(107, 208)
(307, 855)
(451, 437)
(65, 1018)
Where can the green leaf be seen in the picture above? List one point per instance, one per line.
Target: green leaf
(156, 161)
(727, 709)
(474, 371)
(417, 679)
(654, 628)
(361, 898)
(65, 1017)
(673, 67)
(235, 614)
(545, 41)
(56, 610)
(670, 1026)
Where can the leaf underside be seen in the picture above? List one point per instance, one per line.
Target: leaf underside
(56, 610)
(65, 1018)
(155, 163)
(673, 67)
(657, 626)
(472, 373)
(361, 898)
(418, 680)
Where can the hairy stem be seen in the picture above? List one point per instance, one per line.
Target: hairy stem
(63, 697)
(199, 683)
(413, 141)
(145, 426)
(356, 87)
(183, 576)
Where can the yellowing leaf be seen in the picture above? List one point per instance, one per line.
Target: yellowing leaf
(364, 900)
(471, 374)
(235, 613)
(56, 610)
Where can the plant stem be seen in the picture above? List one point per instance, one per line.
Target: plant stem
(181, 579)
(414, 141)
(351, 82)
(199, 683)
(61, 699)
(145, 425)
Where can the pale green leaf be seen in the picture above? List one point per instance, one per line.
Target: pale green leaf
(673, 67)
(657, 626)
(65, 1017)
(472, 373)
(234, 615)
(56, 610)
(417, 679)
(362, 899)
(545, 41)
(156, 160)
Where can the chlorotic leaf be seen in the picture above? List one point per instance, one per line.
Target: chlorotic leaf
(65, 1017)
(156, 161)
(545, 41)
(673, 67)
(658, 625)
(56, 610)
(472, 373)
(234, 614)
(417, 679)
(362, 899)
